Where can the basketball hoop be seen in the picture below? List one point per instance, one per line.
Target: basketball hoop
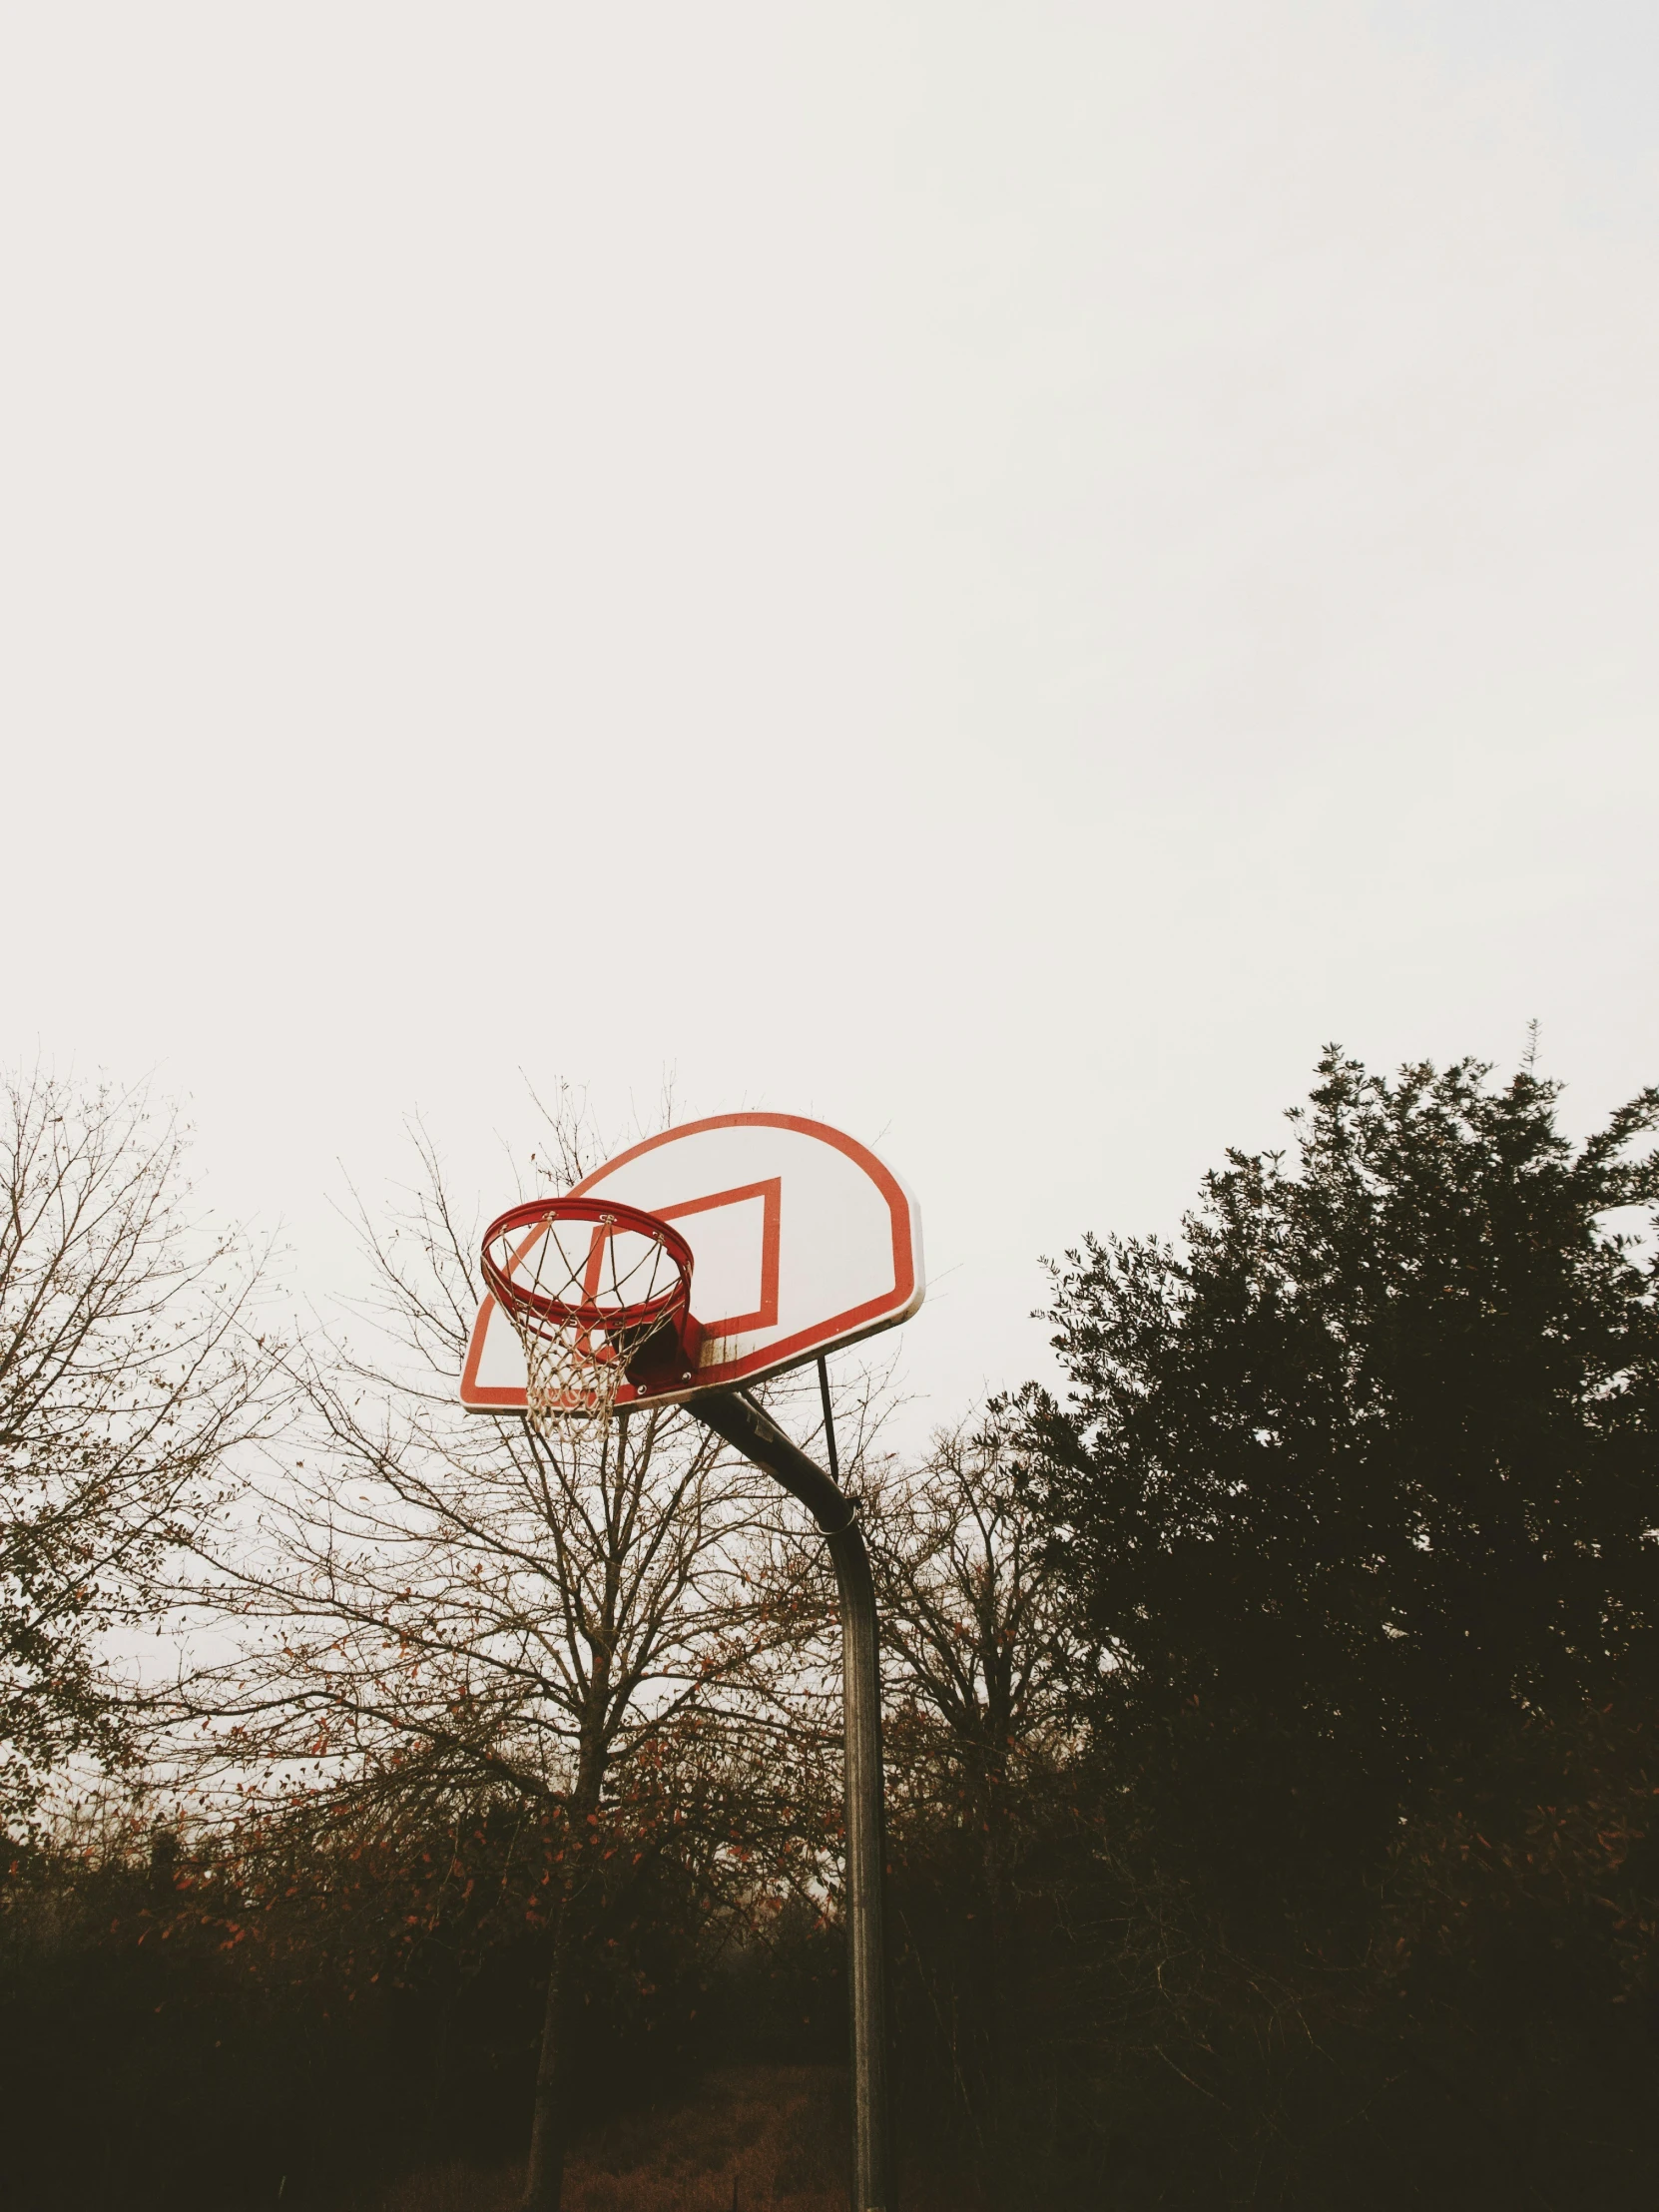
(803, 1241)
(598, 1295)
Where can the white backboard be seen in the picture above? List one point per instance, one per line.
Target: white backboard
(801, 1239)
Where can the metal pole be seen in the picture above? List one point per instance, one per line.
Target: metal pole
(829, 1452)
(755, 1434)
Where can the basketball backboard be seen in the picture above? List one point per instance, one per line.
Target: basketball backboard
(801, 1241)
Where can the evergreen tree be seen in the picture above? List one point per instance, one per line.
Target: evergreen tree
(1362, 1476)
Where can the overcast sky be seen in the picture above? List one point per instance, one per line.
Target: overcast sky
(995, 574)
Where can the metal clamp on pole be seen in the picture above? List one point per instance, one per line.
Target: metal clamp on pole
(736, 1416)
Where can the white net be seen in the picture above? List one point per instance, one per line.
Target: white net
(584, 1296)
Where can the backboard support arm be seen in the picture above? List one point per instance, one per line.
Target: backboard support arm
(736, 1416)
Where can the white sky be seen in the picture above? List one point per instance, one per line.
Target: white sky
(993, 573)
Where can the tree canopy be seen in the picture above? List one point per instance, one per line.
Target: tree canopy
(130, 1373)
(1362, 1471)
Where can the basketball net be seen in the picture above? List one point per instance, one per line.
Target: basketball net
(587, 1289)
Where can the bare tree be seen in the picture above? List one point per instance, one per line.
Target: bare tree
(978, 1664)
(129, 1371)
(978, 1659)
(434, 1604)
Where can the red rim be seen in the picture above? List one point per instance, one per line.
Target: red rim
(584, 1312)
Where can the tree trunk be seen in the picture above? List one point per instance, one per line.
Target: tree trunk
(550, 2121)
(995, 1853)
(544, 2182)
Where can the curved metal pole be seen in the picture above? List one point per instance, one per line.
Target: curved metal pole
(758, 1436)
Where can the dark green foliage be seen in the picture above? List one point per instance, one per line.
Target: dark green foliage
(1355, 1493)
(1367, 1468)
